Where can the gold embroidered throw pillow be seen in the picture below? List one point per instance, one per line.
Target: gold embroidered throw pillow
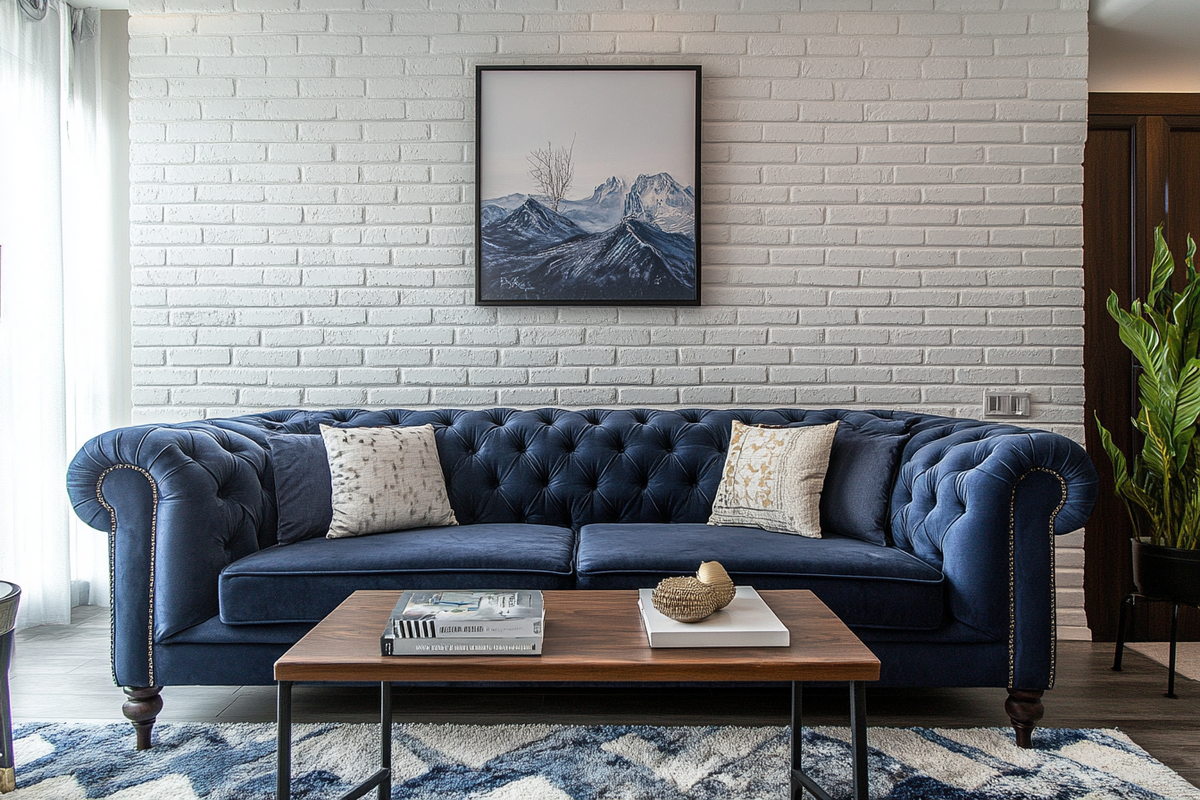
(773, 479)
(385, 479)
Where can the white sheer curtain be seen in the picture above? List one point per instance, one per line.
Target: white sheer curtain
(59, 316)
(33, 517)
(95, 256)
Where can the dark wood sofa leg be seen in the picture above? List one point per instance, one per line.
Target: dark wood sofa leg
(1024, 707)
(142, 709)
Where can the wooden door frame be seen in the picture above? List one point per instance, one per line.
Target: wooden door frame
(1150, 118)
(1134, 104)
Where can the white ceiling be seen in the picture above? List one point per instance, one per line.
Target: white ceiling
(1114, 13)
(1144, 46)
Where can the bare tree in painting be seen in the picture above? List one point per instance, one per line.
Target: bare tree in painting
(552, 170)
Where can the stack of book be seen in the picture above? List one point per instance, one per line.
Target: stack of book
(469, 623)
(746, 622)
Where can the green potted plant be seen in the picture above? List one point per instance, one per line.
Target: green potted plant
(1162, 490)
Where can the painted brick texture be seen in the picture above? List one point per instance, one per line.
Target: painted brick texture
(892, 208)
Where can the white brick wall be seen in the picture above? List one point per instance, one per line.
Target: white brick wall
(891, 214)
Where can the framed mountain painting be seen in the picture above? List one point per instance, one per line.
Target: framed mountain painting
(587, 185)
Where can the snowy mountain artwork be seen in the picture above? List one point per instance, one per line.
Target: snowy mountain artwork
(588, 186)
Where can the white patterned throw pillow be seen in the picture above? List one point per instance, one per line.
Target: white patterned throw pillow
(773, 479)
(385, 479)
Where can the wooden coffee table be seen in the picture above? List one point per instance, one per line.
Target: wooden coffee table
(590, 636)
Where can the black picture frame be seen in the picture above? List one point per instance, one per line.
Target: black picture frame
(602, 250)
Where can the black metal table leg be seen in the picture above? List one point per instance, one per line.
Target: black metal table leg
(283, 722)
(800, 780)
(283, 769)
(858, 737)
(797, 739)
(385, 739)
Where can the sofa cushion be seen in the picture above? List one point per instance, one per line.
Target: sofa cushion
(303, 489)
(303, 582)
(385, 479)
(858, 485)
(864, 584)
(772, 478)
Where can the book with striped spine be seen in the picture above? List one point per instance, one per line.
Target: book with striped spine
(465, 622)
(466, 614)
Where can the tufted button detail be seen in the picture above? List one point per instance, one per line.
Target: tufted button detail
(546, 486)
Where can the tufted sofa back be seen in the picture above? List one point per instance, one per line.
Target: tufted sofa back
(571, 468)
(182, 501)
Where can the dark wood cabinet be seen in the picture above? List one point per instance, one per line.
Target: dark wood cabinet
(1141, 168)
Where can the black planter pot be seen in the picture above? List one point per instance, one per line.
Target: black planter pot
(1167, 573)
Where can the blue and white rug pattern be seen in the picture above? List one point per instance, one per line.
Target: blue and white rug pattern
(65, 761)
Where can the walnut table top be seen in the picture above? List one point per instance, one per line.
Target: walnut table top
(589, 636)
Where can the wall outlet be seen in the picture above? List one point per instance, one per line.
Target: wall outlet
(1006, 404)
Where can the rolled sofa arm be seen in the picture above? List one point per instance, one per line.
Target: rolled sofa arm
(984, 502)
(180, 502)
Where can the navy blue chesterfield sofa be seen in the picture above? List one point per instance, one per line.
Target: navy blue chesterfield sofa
(958, 592)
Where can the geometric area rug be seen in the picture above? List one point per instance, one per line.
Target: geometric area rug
(68, 761)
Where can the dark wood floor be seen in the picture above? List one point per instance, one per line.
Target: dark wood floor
(62, 673)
